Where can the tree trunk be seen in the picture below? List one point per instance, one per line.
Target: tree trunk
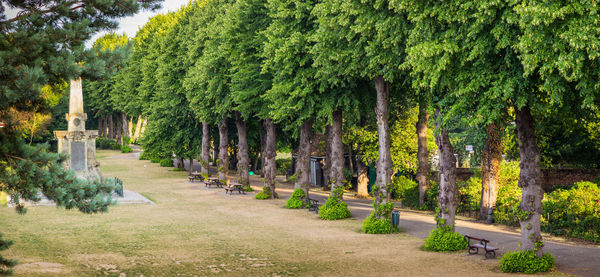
(125, 127)
(180, 163)
(111, 127)
(118, 128)
(263, 147)
(144, 124)
(255, 164)
(448, 193)
(100, 126)
(327, 161)
(363, 179)
(243, 156)
(530, 182)
(384, 162)
(223, 164)
(130, 127)
(138, 128)
(303, 158)
(191, 169)
(422, 153)
(337, 153)
(205, 156)
(270, 155)
(490, 169)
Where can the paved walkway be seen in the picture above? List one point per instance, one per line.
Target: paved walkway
(572, 258)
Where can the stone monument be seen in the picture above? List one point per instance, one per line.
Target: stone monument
(76, 141)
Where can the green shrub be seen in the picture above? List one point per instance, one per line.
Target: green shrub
(247, 188)
(166, 162)
(106, 143)
(144, 156)
(573, 212)
(381, 225)
(283, 165)
(469, 194)
(126, 149)
(265, 194)
(155, 160)
(443, 239)
(509, 194)
(3, 199)
(334, 208)
(526, 262)
(405, 189)
(296, 201)
(431, 196)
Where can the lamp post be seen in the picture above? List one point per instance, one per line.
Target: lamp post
(490, 218)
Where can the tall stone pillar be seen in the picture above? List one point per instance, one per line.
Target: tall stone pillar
(79, 143)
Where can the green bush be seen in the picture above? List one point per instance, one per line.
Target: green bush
(126, 149)
(283, 165)
(407, 190)
(431, 196)
(470, 194)
(166, 162)
(509, 194)
(247, 188)
(379, 221)
(144, 156)
(3, 199)
(265, 194)
(573, 212)
(106, 143)
(526, 262)
(296, 201)
(443, 239)
(334, 208)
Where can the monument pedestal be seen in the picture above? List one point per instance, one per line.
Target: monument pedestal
(76, 141)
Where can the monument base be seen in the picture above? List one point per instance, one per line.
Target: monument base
(81, 145)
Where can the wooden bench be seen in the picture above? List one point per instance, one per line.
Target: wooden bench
(313, 205)
(214, 182)
(490, 252)
(236, 187)
(195, 176)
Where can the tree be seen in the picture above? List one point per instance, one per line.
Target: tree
(358, 39)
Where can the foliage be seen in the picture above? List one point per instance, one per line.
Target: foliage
(166, 162)
(144, 156)
(126, 149)
(573, 212)
(509, 194)
(296, 201)
(335, 208)
(6, 264)
(406, 189)
(106, 143)
(431, 196)
(374, 225)
(526, 262)
(469, 194)
(443, 239)
(3, 199)
(266, 193)
(379, 221)
(283, 165)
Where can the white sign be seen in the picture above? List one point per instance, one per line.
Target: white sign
(469, 148)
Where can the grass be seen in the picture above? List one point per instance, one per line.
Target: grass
(195, 231)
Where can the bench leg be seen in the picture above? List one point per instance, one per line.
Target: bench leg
(471, 252)
(490, 254)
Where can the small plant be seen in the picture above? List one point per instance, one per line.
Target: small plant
(443, 239)
(379, 221)
(526, 261)
(126, 149)
(166, 162)
(296, 201)
(144, 156)
(248, 188)
(265, 194)
(335, 208)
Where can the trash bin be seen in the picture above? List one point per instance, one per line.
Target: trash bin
(395, 220)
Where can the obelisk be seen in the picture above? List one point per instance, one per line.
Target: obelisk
(76, 141)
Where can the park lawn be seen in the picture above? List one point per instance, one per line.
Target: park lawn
(193, 231)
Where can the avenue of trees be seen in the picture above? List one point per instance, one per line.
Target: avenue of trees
(244, 76)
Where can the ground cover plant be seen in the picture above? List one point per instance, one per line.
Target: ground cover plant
(526, 262)
(335, 208)
(443, 239)
(297, 199)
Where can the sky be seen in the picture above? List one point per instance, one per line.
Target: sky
(130, 25)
